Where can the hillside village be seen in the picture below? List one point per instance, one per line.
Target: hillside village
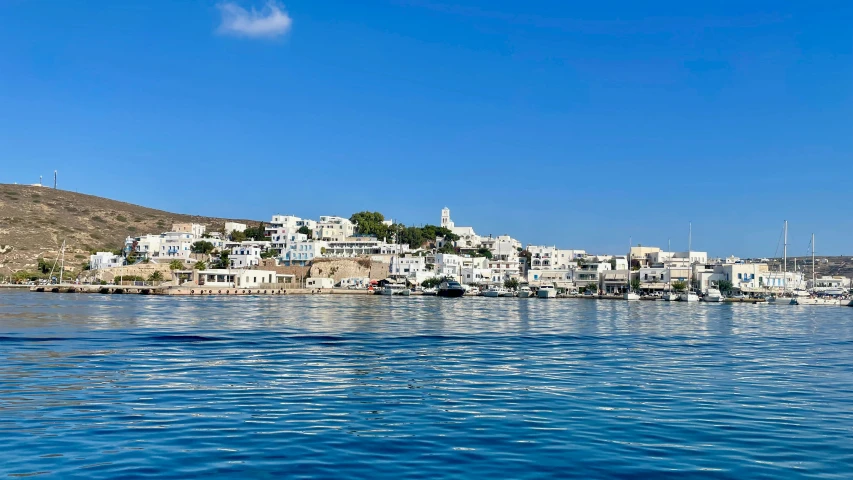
(334, 251)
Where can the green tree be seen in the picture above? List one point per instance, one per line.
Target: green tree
(23, 276)
(202, 246)
(635, 284)
(370, 223)
(237, 236)
(176, 265)
(305, 231)
(431, 282)
(592, 287)
(725, 286)
(679, 286)
(482, 252)
(200, 265)
(156, 276)
(44, 266)
(269, 254)
(447, 248)
(613, 263)
(132, 258)
(511, 283)
(256, 233)
(223, 260)
(635, 265)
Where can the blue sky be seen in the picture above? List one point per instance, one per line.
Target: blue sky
(579, 124)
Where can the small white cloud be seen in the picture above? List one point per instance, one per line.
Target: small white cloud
(271, 21)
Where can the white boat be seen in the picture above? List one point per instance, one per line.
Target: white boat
(813, 298)
(494, 292)
(523, 292)
(829, 301)
(630, 296)
(395, 289)
(713, 295)
(688, 297)
(670, 296)
(547, 291)
(430, 291)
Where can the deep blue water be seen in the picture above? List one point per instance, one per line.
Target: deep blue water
(97, 386)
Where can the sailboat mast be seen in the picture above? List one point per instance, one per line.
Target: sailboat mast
(785, 261)
(62, 265)
(813, 264)
(689, 238)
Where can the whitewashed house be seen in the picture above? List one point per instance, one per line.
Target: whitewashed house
(333, 229)
(102, 260)
(231, 227)
(245, 256)
(194, 229)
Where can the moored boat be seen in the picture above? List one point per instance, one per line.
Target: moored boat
(395, 289)
(547, 291)
(494, 292)
(524, 292)
(713, 295)
(451, 289)
(688, 297)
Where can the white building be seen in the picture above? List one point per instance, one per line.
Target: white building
(407, 266)
(476, 275)
(147, 246)
(828, 282)
(553, 258)
(501, 245)
(643, 255)
(225, 278)
(245, 256)
(683, 258)
(105, 260)
(194, 229)
(467, 237)
(176, 245)
(590, 273)
(284, 229)
(319, 282)
(560, 278)
(448, 265)
(750, 277)
(360, 246)
(333, 229)
(231, 227)
(302, 251)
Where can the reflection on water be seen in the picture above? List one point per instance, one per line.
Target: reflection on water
(96, 386)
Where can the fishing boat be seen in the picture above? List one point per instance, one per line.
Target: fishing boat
(524, 292)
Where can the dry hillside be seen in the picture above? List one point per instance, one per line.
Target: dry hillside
(35, 220)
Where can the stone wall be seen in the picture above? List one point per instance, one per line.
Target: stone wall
(335, 268)
(143, 270)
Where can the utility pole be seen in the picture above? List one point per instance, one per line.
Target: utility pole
(54, 179)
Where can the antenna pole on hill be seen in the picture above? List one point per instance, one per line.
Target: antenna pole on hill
(54, 179)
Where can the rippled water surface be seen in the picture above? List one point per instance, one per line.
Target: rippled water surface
(125, 386)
